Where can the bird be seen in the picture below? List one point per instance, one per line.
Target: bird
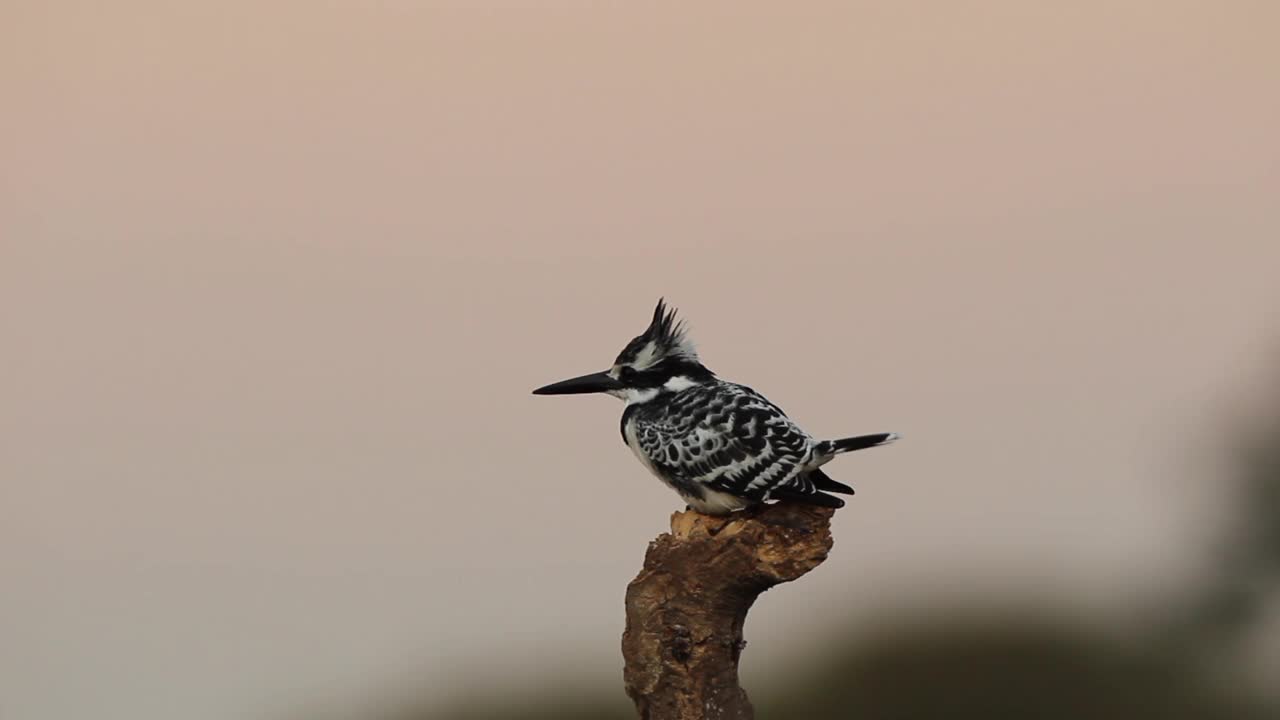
(721, 446)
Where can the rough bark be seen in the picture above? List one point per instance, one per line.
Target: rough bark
(686, 608)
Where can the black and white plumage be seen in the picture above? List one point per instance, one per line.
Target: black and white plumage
(721, 446)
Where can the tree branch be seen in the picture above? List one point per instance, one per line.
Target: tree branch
(686, 608)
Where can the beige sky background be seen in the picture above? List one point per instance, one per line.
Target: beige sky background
(276, 280)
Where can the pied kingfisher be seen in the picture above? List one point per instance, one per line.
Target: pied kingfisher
(721, 446)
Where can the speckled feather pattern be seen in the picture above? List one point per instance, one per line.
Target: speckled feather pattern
(724, 437)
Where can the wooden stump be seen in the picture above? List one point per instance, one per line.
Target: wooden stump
(686, 608)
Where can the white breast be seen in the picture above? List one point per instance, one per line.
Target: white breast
(714, 502)
(633, 442)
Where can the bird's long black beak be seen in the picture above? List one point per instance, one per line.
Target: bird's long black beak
(593, 383)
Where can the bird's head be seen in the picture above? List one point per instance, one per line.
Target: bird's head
(661, 359)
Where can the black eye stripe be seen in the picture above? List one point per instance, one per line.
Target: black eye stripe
(641, 378)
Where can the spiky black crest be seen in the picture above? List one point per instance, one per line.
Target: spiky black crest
(664, 342)
(664, 328)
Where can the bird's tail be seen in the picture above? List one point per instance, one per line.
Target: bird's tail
(831, 448)
(828, 449)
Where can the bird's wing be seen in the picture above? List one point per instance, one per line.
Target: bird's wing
(732, 440)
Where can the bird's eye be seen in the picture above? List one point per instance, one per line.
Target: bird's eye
(625, 372)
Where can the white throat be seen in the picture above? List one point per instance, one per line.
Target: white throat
(636, 396)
